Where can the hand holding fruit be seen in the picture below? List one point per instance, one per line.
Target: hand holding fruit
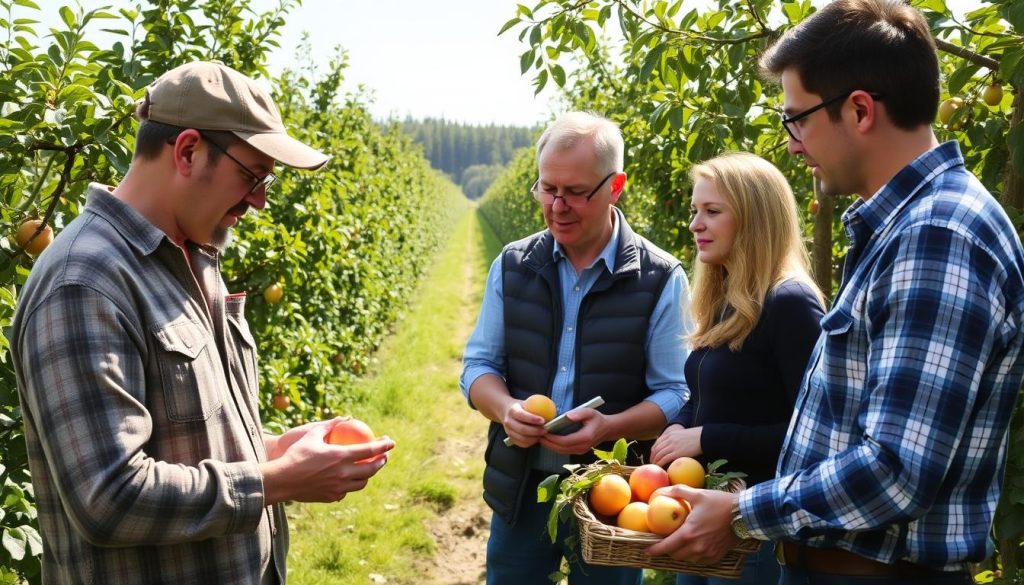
(706, 535)
(593, 431)
(524, 420)
(309, 469)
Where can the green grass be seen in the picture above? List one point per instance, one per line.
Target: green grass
(413, 397)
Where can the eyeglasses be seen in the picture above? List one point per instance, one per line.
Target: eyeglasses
(796, 131)
(257, 181)
(548, 196)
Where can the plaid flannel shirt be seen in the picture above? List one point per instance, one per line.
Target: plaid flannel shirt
(137, 378)
(897, 446)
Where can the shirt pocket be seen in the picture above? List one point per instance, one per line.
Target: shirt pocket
(191, 384)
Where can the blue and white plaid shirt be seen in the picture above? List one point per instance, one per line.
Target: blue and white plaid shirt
(897, 446)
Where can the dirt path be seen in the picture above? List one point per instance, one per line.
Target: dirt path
(460, 532)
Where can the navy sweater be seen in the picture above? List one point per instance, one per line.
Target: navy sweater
(744, 399)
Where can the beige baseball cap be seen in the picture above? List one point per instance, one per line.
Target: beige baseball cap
(211, 96)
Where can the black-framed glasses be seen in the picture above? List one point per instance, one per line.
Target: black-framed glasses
(547, 197)
(790, 122)
(257, 181)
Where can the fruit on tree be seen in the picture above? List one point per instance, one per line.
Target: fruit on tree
(993, 94)
(37, 244)
(645, 479)
(686, 471)
(665, 514)
(633, 517)
(281, 401)
(948, 108)
(540, 405)
(812, 206)
(609, 494)
(273, 293)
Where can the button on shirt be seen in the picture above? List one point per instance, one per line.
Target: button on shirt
(137, 377)
(666, 354)
(898, 442)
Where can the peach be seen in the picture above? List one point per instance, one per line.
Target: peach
(665, 514)
(686, 471)
(645, 479)
(540, 405)
(634, 517)
(609, 495)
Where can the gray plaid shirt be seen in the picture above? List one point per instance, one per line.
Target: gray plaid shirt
(137, 379)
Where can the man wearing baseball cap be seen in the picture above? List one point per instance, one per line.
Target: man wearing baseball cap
(137, 370)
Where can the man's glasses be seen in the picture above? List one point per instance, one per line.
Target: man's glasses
(796, 131)
(257, 181)
(548, 195)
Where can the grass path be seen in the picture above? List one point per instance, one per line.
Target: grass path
(421, 520)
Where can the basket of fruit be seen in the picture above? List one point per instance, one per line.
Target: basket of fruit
(618, 518)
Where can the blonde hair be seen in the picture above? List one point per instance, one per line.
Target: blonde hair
(565, 132)
(767, 250)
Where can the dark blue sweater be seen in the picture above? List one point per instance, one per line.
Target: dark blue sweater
(744, 399)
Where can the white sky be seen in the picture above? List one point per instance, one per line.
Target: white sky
(421, 57)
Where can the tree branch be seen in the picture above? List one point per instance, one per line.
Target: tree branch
(969, 55)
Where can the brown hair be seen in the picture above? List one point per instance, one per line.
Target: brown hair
(152, 137)
(879, 46)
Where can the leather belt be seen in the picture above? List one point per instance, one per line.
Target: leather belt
(834, 561)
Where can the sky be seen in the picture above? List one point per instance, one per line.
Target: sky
(421, 58)
(424, 57)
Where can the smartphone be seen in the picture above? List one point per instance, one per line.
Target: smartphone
(562, 424)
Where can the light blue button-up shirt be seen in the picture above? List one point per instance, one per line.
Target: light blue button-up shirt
(666, 349)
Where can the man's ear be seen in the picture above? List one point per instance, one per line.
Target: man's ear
(618, 184)
(865, 110)
(184, 151)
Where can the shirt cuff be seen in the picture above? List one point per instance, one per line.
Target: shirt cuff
(470, 374)
(670, 401)
(245, 487)
(758, 509)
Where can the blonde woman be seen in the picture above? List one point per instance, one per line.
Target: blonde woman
(756, 311)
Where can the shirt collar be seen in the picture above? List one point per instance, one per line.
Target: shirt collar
(609, 251)
(133, 227)
(883, 207)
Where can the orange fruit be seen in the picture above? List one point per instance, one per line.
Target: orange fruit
(686, 471)
(40, 242)
(610, 494)
(540, 405)
(633, 517)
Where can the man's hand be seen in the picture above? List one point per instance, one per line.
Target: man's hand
(308, 469)
(707, 534)
(677, 441)
(594, 431)
(523, 428)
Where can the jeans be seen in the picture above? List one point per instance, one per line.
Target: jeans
(794, 576)
(523, 554)
(760, 568)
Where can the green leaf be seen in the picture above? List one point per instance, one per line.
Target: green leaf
(14, 542)
(960, 77)
(67, 16)
(933, 5)
(558, 75)
(547, 488)
(27, 4)
(507, 26)
(621, 450)
(542, 80)
(525, 60)
(652, 60)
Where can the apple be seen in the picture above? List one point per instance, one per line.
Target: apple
(273, 293)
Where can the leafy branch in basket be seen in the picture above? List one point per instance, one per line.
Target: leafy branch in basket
(715, 480)
(582, 478)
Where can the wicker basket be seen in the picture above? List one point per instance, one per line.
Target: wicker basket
(603, 544)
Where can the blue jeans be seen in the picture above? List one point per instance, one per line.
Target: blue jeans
(523, 554)
(794, 576)
(758, 569)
